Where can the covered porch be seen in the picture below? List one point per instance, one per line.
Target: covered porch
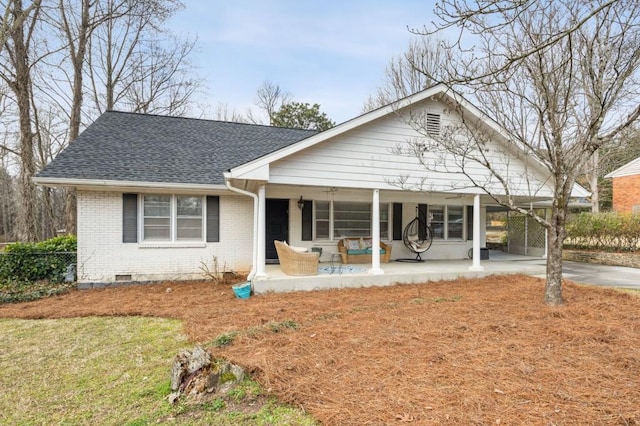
(351, 276)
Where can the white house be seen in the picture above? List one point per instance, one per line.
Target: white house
(158, 196)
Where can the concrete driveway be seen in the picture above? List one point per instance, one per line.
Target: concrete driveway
(603, 275)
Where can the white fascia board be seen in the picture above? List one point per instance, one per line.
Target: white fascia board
(240, 171)
(629, 169)
(125, 185)
(259, 172)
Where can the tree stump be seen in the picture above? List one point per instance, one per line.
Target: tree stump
(197, 376)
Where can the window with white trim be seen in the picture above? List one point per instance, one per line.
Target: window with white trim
(348, 219)
(172, 218)
(446, 222)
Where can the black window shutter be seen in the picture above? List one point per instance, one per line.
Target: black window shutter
(213, 219)
(469, 222)
(307, 221)
(129, 218)
(422, 214)
(397, 221)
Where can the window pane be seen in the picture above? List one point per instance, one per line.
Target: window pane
(157, 229)
(351, 219)
(157, 205)
(322, 219)
(436, 219)
(157, 217)
(384, 221)
(189, 229)
(189, 218)
(189, 206)
(454, 222)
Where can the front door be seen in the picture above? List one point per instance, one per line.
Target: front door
(277, 224)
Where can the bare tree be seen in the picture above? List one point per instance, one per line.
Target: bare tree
(420, 67)
(117, 46)
(162, 79)
(560, 76)
(224, 112)
(136, 65)
(15, 70)
(269, 99)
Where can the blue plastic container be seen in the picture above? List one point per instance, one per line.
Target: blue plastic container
(242, 291)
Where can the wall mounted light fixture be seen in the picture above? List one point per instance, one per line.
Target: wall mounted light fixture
(301, 203)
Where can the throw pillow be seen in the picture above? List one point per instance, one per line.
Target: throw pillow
(352, 244)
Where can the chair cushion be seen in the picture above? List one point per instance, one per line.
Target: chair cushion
(357, 251)
(370, 251)
(299, 249)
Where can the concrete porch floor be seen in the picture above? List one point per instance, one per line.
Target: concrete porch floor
(499, 263)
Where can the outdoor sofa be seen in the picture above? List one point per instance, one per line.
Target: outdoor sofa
(359, 250)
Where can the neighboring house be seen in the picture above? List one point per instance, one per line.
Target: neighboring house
(160, 196)
(626, 187)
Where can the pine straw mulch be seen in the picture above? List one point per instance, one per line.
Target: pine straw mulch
(461, 352)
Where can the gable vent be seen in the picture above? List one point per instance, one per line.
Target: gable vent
(433, 124)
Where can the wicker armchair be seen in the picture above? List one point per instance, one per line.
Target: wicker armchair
(295, 263)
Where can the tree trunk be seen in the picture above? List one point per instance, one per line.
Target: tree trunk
(70, 211)
(556, 236)
(27, 219)
(48, 228)
(595, 198)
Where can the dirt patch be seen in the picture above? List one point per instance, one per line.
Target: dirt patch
(462, 352)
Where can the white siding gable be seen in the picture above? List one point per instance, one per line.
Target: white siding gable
(367, 157)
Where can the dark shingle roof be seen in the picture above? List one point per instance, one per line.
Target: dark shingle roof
(150, 148)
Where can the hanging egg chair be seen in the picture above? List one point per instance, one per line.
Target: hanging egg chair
(417, 237)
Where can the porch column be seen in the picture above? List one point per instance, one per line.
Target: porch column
(475, 266)
(262, 215)
(375, 238)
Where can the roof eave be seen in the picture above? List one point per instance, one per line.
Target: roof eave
(104, 184)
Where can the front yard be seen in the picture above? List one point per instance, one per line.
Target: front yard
(463, 352)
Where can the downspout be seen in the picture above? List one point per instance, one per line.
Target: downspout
(227, 181)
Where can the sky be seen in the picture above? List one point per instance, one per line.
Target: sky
(333, 53)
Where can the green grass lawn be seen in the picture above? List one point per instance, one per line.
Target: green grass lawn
(109, 371)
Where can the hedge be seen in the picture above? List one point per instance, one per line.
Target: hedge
(613, 232)
(45, 260)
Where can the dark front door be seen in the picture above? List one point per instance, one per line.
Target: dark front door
(277, 224)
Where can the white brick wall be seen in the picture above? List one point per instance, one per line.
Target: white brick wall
(102, 255)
